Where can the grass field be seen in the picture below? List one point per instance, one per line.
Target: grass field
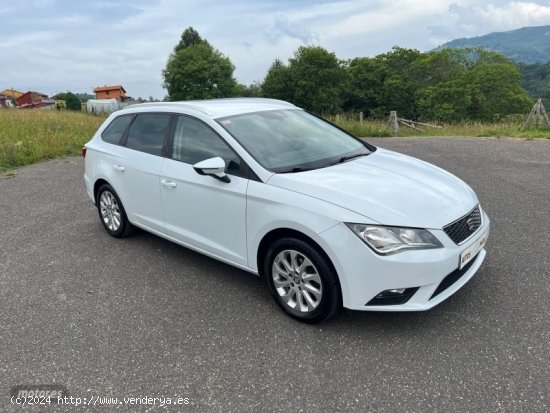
(28, 136)
(508, 128)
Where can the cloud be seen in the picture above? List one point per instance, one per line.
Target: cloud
(500, 17)
(58, 45)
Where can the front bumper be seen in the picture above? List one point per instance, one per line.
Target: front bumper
(364, 275)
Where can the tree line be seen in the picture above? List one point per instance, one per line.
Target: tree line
(447, 85)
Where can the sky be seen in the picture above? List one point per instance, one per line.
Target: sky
(58, 45)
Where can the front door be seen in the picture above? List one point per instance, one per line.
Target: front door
(199, 210)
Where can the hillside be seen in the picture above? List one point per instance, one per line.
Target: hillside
(525, 45)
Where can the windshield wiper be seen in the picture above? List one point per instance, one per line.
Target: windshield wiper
(347, 158)
(295, 169)
(303, 168)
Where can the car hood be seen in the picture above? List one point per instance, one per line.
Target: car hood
(387, 187)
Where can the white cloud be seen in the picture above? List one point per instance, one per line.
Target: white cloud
(480, 19)
(55, 45)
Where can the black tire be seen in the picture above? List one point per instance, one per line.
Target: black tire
(331, 298)
(125, 228)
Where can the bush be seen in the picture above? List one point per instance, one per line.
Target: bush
(72, 102)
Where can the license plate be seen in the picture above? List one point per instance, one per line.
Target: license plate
(471, 252)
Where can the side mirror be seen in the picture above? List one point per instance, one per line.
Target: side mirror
(214, 167)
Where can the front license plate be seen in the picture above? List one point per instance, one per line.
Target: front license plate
(471, 252)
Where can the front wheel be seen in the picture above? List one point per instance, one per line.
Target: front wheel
(302, 281)
(112, 213)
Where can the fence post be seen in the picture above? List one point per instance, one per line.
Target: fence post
(394, 125)
(361, 118)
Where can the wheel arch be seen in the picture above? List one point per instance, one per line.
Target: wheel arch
(97, 185)
(278, 233)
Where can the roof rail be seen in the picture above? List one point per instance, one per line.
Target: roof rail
(180, 104)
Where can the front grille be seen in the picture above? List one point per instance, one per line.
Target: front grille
(463, 228)
(453, 277)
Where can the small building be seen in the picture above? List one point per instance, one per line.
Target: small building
(11, 93)
(99, 106)
(5, 102)
(110, 92)
(30, 98)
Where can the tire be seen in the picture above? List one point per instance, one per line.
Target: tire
(308, 293)
(111, 212)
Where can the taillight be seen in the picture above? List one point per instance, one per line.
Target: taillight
(83, 151)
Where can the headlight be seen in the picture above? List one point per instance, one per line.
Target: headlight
(390, 240)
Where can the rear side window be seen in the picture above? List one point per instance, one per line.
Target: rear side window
(148, 132)
(113, 133)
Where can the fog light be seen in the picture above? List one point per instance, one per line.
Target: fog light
(391, 293)
(394, 296)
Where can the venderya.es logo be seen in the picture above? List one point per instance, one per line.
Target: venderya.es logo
(41, 394)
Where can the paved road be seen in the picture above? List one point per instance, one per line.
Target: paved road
(144, 317)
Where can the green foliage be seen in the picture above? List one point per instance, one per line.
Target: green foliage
(313, 79)
(535, 79)
(253, 90)
(198, 71)
(60, 96)
(276, 84)
(447, 85)
(72, 102)
(189, 37)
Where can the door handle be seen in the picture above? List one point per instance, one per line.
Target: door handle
(168, 184)
(118, 168)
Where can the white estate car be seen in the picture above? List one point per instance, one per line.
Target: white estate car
(326, 218)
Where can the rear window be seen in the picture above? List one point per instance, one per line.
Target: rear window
(148, 132)
(116, 129)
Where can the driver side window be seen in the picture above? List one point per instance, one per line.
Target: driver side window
(195, 142)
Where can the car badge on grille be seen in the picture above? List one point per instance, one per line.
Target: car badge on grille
(471, 224)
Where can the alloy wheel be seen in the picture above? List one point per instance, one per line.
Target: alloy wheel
(297, 281)
(110, 211)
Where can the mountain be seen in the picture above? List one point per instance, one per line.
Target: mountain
(525, 45)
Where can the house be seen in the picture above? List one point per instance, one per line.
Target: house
(5, 102)
(30, 98)
(12, 93)
(110, 92)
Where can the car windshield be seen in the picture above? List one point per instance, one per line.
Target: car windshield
(292, 140)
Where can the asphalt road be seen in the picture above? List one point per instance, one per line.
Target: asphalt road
(144, 317)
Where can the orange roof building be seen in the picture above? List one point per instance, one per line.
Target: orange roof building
(14, 94)
(110, 92)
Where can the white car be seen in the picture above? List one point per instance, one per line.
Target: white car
(327, 219)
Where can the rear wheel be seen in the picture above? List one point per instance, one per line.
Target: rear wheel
(302, 281)
(112, 213)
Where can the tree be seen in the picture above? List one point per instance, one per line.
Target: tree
(317, 78)
(469, 84)
(363, 91)
(248, 91)
(60, 96)
(276, 84)
(72, 102)
(198, 71)
(189, 37)
(535, 79)
(313, 79)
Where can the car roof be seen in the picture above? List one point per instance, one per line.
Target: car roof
(218, 108)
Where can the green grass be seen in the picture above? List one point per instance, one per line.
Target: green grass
(28, 136)
(505, 128)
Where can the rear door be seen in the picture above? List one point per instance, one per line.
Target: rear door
(136, 166)
(199, 210)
